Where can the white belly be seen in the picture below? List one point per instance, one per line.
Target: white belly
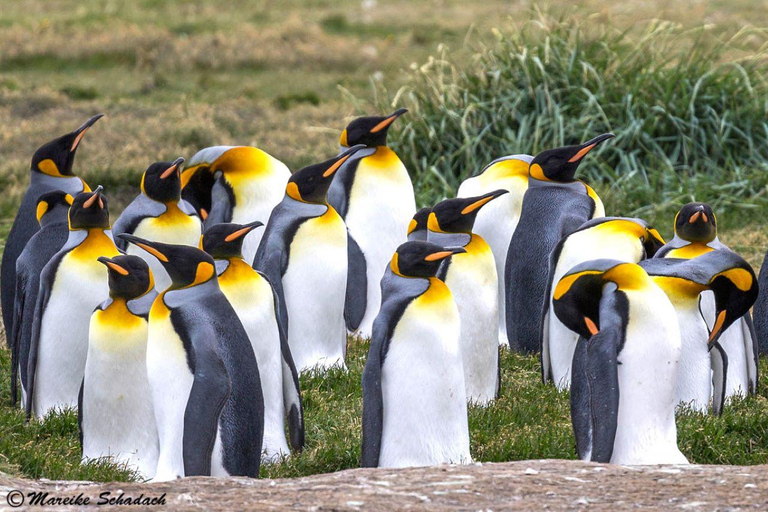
(694, 378)
(76, 292)
(422, 381)
(177, 233)
(118, 418)
(171, 382)
(734, 342)
(472, 280)
(315, 288)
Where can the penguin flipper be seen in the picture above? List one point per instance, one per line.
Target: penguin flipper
(139, 209)
(14, 341)
(761, 308)
(603, 380)
(357, 286)
(719, 360)
(751, 349)
(546, 361)
(581, 413)
(80, 414)
(210, 391)
(373, 402)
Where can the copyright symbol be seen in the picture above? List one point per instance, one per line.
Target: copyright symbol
(15, 498)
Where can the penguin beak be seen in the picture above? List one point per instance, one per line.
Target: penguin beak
(342, 158)
(144, 244)
(485, 199)
(247, 228)
(717, 330)
(111, 264)
(441, 255)
(388, 120)
(95, 197)
(700, 214)
(589, 146)
(175, 168)
(81, 131)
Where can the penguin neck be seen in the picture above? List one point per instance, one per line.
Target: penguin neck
(575, 185)
(174, 297)
(54, 217)
(358, 155)
(449, 239)
(69, 184)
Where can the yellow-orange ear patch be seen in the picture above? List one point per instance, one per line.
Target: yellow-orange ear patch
(536, 172)
(432, 223)
(154, 252)
(69, 199)
(412, 226)
(739, 277)
(292, 190)
(42, 207)
(205, 271)
(583, 151)
(49, 167)
(394, 265)
(343, 138)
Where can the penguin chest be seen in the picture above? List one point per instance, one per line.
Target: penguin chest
(318, 254)
(165, 347)
(171, 227)
(472, 279)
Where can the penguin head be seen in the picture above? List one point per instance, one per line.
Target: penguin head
(458, 215)
(162, 181)
(417, 229)
(129, 276)
(311, 184)
(89, 210)
(369, 131)
(735, 291)
(224, 241)
(560, 164)
(53, 202)
(420, 259)
(55, 158)
(187, 266)
(696, 222)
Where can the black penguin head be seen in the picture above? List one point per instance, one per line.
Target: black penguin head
(224, 241)
(311, 184)
(560, 164)
(458, 215)
(89, 210)
(162, 181)
(417, 229)
(186, 265)
(129, 276)
(370, 131)
(420, 259)
(55, 158)
(52, 203)
(696, 222)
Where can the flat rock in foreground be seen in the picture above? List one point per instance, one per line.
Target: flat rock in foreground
(551, 484)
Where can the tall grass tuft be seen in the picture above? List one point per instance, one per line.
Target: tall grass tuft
(688, 107)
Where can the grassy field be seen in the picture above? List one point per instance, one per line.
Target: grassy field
(483, 79)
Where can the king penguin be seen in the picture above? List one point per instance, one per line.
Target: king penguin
(471, 277)
(554, 205)
(497, 222)
(52, 208)
(618, 238)
(414, 406)
(695, 229)
(255, 303)
(373, 193)
(115, 411)
(158, 213)
(417, 228)
(203, 374)
(704, 363)
(625, 364)
(72, 284)
(51, 170)
(235, 184)
(303, 253)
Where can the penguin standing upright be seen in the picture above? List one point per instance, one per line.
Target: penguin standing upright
(497, 222)
(72, 284)
(254, 301)
(616, 238)
(625, 364)
(554, 205)
(203, 374)
(417, 229)
(234, 184)
(159, 214)
(471, 277)
(51, 170)
(52, 208)
(374, 195)
(115, 411)
(414, 406)
(704, 362)
(303, 253)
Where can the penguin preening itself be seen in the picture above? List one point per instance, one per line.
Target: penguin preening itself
(417, 228)
(471, 277)
(625, 364)
(373, 193)
(52, 209)
(554, 205)
(616, 238)
(72, 284)
(303, 253)
(115, 412)
(704, 363)
(255, 303)
(414, 406)
(203, 374)
(51, 170)
(234, 184)
(497, 222)
(159, 214)
(695, 229)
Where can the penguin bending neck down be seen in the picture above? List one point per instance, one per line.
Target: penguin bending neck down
(417, 228)
(202, 371)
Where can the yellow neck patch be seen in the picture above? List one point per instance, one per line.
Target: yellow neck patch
(159, 310)
(678, 288)
(689, 251)
(437, 293)
(628, 276)
(96, 244)
(505, 169)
